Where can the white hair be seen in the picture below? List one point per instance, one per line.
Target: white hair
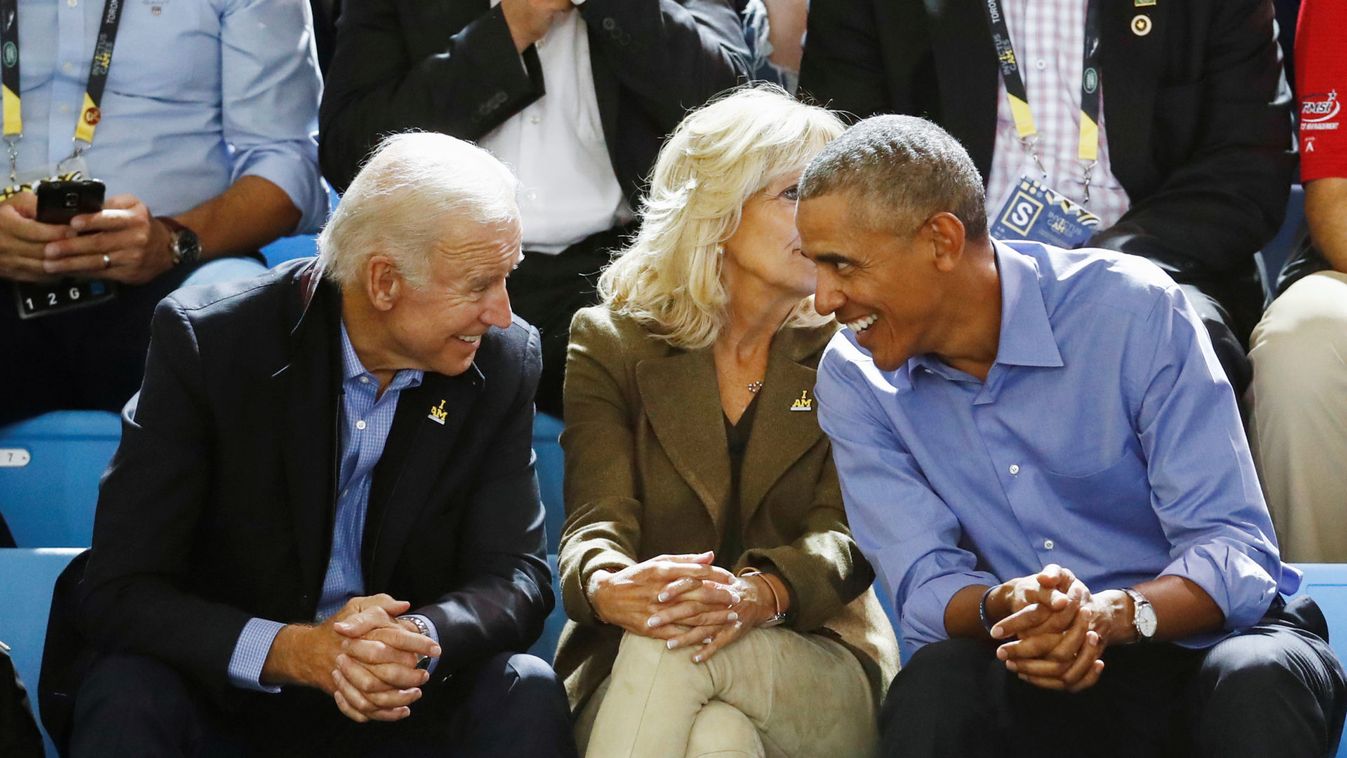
(414, 187)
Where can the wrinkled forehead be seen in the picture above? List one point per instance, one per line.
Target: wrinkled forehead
(472, 249)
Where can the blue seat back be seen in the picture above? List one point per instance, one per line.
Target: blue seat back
(546, 646)
(26, 580)
(49, 471)
(551, 469)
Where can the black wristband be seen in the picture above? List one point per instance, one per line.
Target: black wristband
(982, 610)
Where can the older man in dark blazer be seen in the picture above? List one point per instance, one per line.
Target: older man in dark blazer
(576, 97)
(323, 511)
(1194, 128)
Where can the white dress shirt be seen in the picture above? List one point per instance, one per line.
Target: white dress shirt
(556, 147)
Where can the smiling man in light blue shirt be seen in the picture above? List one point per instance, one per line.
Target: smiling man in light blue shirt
(1043, 460)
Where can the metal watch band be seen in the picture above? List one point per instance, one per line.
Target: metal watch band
(422, 662)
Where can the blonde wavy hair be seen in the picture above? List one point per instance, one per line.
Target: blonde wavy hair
(669, 277)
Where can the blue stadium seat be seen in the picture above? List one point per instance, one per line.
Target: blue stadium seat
(1276, 252)
(546, 646)
(1327, 584)
(289, 248)
(49, 470)
(25, 597)
(551, 468)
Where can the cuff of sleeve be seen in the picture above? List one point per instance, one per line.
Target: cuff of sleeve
(293, 168)
(434, 635)
(1239, 585)
(921, 620)
(250, 654)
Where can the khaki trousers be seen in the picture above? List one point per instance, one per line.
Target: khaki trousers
(1298, 416)
(775, 692)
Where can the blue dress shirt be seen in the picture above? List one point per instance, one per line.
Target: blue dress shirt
(200, 93)
(366, 419)
(1105, 439)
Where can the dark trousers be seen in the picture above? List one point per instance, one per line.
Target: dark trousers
(547, 290)
(1276, 690)
(90, 358)
(511, 705)
(1229, 307)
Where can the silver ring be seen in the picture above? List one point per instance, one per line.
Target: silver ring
(107, 261)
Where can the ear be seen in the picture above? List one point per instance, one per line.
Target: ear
(947, 236)
(383, 283)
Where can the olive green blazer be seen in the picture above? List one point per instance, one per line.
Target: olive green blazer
(648, 473)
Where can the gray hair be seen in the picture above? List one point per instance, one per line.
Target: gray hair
(901, 170)
(413, 189)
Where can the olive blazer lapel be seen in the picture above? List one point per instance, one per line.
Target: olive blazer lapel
(678, 393)
(785, 424)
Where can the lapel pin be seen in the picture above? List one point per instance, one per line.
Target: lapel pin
(1141, 25)
(438, 414)
(803, 402)
(1143, 3)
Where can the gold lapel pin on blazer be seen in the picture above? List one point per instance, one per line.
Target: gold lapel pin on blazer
(438, 414)
(1141, 25)
(1143, 3)
(803, 403)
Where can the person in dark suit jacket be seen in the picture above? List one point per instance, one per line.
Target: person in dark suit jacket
(323, 511)
(576, 98)
(1195, 114)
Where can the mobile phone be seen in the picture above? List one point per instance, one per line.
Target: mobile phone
(59, 200)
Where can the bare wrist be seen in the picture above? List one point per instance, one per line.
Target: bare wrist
(1117, 617)
(280, 665)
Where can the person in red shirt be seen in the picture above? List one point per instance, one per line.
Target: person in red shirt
(1298, 422)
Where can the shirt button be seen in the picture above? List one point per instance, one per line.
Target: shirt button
(72, 3)
(360, 425)
(364, 380)
(535, 119)
(65, 108)
(1040, 64)
(1049, 544)
(1014, 469)
(69, 68)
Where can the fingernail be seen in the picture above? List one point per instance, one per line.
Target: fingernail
(652, 622)
(342, 625)
(671, 644)
(997, 631)
(732, 617)
(1011, 665)
(696, 659)
(663, 596)
(435, 652)
(50, 249)
(77, 223)
(735, 599)
(706, 641)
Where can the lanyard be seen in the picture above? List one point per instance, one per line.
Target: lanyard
(1087, 147)
(90, 112)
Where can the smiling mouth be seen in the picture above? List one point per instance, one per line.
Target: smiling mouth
(471, 339)
(863, 323)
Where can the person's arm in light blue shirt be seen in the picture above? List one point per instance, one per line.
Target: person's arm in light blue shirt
(1203, 485)
(269, 105)
(904, 529)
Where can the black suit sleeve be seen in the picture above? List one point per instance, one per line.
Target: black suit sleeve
(843, 66)
(505, 590)
(149, 510)
(376, 86)
(673, 55)
(1226, 197)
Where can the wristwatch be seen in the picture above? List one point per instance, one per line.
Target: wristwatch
(1143, 615)
(423, 661)
(184, 244)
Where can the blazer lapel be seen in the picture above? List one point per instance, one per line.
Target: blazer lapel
(425, 429)
(680, 399)
(310, 394)
(785, 424)
(1130, 66)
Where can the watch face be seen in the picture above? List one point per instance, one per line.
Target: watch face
(189, 246)
(1146, 620)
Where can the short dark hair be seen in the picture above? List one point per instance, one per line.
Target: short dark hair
(901, 170)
